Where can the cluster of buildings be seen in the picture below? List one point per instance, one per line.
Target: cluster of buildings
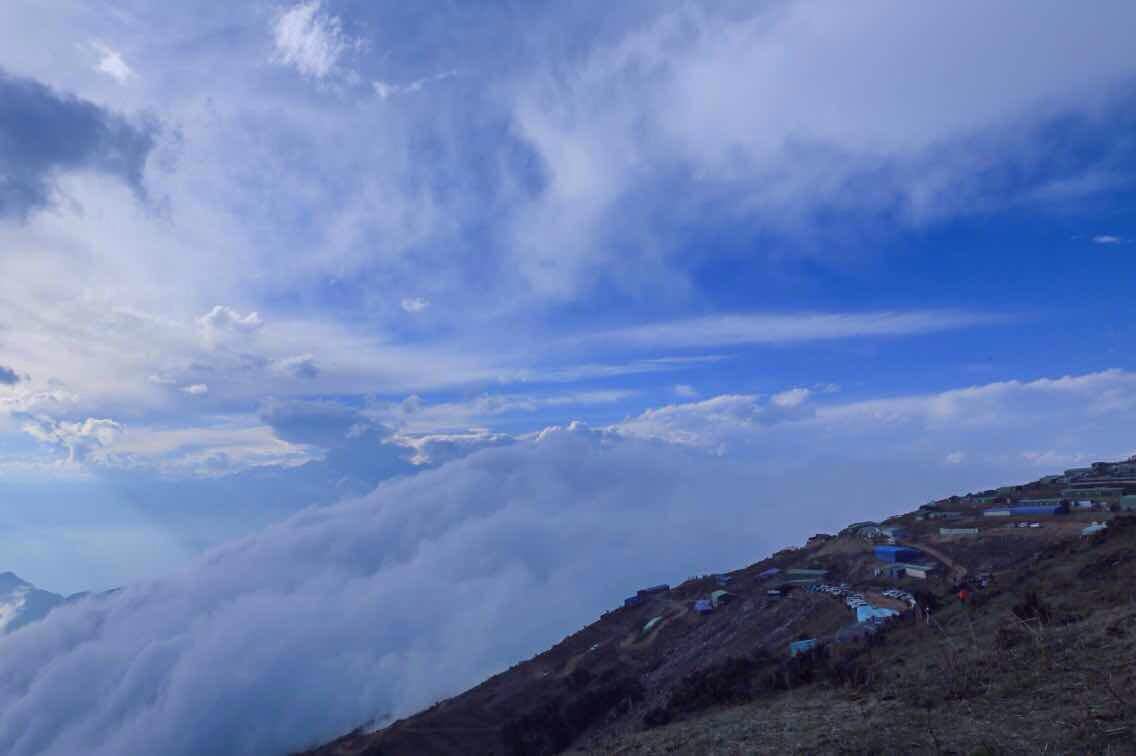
(1102, 486)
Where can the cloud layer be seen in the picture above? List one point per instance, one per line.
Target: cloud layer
(372, 607)
(381, 605)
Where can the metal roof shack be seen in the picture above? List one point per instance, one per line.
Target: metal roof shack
(996, 513)
(803, 572)
(1094, 492)
(958, 531)
(654, 589)
(1093, 527)
(802, 646)
(770, 572)
(920, 571)
(703, 606)
(903, 569)
(718, 598)
(869, 613)
(631, 601)
(1039, 509)
(896, 553)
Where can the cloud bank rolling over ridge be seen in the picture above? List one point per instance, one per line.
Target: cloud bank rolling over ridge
(381, 605)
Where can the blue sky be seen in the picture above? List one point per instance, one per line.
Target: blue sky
(259, 256)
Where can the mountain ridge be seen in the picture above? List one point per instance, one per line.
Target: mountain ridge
(22, 603)
(659, 676)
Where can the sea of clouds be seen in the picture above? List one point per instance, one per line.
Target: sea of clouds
(376, 607)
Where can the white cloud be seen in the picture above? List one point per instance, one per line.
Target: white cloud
(492, 541)
(955, 458)
(439, 448)
(82, 440)
(588, 371)
(222, 318)
(727, 330)
(797, 108)
(311, 41)
(791, 397)
(1107, 239)
(203, 451)
(686, 391)
(301, 366)
(24, 400)
(413, 415)
(196, 389)
(710, 423)
(386, 90)
(223, 321)
(112, 64)
(999, 425)
(415, 304)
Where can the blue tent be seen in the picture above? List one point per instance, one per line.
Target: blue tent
(703, 606)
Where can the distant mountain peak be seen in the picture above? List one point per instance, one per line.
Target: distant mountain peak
(22, 603)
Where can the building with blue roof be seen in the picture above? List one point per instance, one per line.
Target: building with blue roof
(897, 553)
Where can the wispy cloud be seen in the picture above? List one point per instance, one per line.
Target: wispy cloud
(414, 304)
(1107, 239)
(301, 366)
(111, 63)
(385, 89)
(80, 439)
(592, 370)
(311, 41)
(729, 330)
(414, 415)
(221, 321)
